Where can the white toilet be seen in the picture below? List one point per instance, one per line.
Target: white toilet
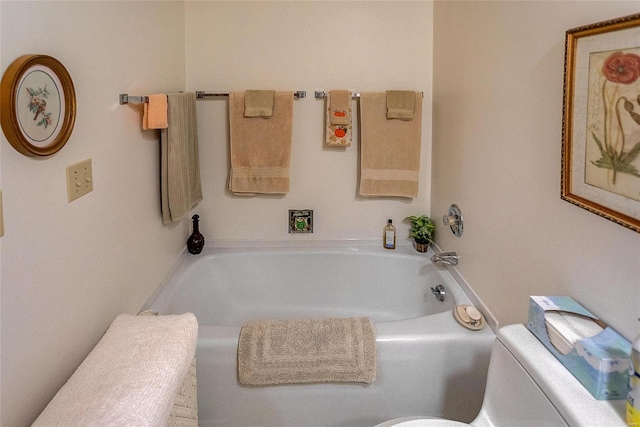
(528, 386)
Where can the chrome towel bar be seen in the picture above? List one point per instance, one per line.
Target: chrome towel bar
(125, 98)
(321, 94)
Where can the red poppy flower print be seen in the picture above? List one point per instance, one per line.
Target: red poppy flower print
(622, 68)
(617, 130)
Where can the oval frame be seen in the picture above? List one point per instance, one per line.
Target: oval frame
(11, 101)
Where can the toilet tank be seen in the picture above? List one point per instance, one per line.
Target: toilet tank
(528, 386)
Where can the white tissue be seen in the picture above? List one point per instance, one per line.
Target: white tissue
(565, 329)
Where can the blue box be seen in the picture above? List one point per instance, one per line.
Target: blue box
(600, 363)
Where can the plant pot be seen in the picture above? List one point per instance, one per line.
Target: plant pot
(421, 246)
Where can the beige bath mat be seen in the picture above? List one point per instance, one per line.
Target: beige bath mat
(307, 351)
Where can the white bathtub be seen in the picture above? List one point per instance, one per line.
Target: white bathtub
(427, 363)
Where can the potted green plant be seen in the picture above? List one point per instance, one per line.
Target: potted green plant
(422, 230)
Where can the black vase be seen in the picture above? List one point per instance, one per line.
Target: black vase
(195, 242)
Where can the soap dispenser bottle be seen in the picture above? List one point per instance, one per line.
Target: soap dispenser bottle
(389, 236)
(195, 243)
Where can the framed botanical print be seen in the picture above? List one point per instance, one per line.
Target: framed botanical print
(38, 105)
(601, 123)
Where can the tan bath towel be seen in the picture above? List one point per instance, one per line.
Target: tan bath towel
(300, 351)
(258, 103)
(179, 158)
(154, 115)
(400, 104)
(390, 149)
(338, 126)
(260, 148)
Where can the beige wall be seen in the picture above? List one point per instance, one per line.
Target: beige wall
(69, 268)
(363, 46)
(1, 248)
(498, 84)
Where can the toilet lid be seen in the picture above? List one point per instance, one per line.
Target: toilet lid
(422, 422)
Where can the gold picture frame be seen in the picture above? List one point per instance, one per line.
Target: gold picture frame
(601, 120)
(38, 105)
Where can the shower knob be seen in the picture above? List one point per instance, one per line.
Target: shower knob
(454, 220)
(448, 220)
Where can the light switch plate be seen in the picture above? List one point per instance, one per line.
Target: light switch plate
(79, 179)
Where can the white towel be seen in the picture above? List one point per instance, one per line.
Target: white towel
(131, 377)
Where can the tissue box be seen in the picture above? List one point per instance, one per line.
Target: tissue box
(600, 362)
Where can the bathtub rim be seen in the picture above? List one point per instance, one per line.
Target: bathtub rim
(403, 248)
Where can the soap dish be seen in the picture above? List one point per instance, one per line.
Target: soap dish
(469, 317)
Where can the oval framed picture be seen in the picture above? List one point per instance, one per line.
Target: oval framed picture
(38, 105)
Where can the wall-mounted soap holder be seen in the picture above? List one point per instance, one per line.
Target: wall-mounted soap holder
(454, 220)
(301, 221)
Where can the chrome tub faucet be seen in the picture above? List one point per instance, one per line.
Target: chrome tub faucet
(449, 258)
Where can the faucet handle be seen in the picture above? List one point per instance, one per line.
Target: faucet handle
(439, 292)
(454, 220)
(449, 220)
